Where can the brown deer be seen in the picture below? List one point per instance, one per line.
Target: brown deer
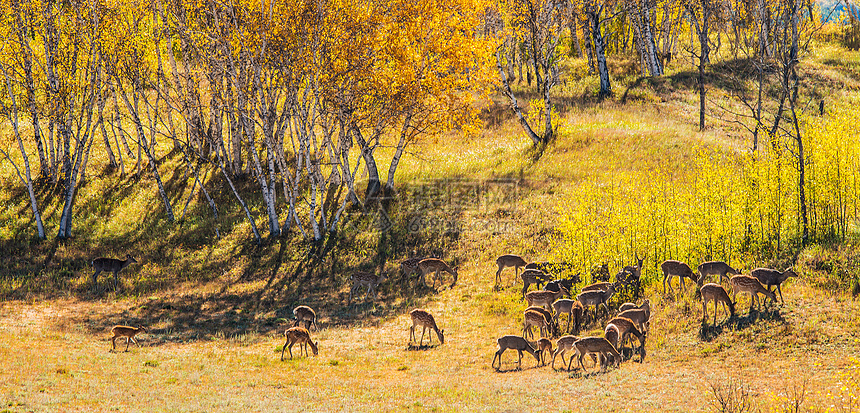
(410, 267)
(306, 315)
(532, 276)
(769, 277)
(573, 309)
(646, 305)
(596, 345)
(533, 318)
(596, 298)
(627, 327)
(509, 260)
(672, 268)
(435, 266)
(544, 346)
(601, 286)
(365, 279)
(426, 321)
(544, 298)
(127, 332)
(300, 336)
(716, 293)
(514, 343)
(751, 285)
(550, 320)
(707, 269)
(113, 265)
(565, 344)
(639, 316)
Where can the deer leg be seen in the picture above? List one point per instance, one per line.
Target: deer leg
(127, 340)
(116, 280)
(520, 361)
(135, 341)
(780, 293)
(499, 280)
(95, 276)
(430, 336)
(284, 348)
(704, 311)
(580, 363)
(113, 342)
(423, 329)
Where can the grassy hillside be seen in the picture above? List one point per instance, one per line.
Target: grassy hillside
(215, 307)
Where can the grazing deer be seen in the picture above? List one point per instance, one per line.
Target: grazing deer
(597, 345)
(672, 268)
(300, 336)
(544, 298)
(613, 336)
(365, 279)
(573, 309)
(113, 265)
(509, 260)
(596, 298)
(639, 316)
(550, 320)
(533, 318)
(707, 269)
(544, 346)
(626, 327)
(769, 277)
(751, 285)
(514, 343)
(435, 265)
(716, 293)
(425, 320)
(128, 333)
(531, 276)
(305, 314)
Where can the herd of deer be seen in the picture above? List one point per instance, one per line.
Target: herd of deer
(544, 306)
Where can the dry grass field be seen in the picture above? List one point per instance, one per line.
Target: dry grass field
(216, 309)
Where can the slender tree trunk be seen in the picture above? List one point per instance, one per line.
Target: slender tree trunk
(516, 107)
(599, 47)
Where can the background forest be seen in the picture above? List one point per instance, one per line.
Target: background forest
(251, 156)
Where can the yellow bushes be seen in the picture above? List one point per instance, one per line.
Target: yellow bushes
(742, 208)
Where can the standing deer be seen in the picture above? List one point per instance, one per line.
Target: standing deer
(544, 298)
(301, 336)
(672, 268)
(544, 346)
(305, 314)
(532, 276)
(716, 293)
(707, 269)
(751, 285)
(128, 333)
(769, 277)
(639, 316)
(596, 298)
(514, 343)
(573, 309)
(365, 279)
(425, 320)
(410, 267)
(509, 260)
(550, 320)
(436, 266)
(113, 265)
(533, 318)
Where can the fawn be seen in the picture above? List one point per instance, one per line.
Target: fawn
(301, 336)
(113, 265)
(127, 332)
(425, 320)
